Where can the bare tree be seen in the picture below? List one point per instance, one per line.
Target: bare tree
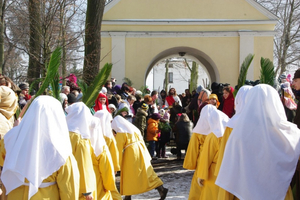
(92, 42)
(287, 39)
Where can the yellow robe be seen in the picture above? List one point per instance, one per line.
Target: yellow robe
(66, 187)
(191, 161)
(113, 149)
(137, 174)
(105, 177)
(206, 169)
(83, 151)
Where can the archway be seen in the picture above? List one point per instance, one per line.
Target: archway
(203, 58)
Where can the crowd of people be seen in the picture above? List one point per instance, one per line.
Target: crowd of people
(241, 147)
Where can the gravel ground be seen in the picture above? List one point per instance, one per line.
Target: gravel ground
(175, 178)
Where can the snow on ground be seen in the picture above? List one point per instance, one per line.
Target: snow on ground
(175, 178)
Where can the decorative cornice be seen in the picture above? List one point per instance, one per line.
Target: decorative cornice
(142, 34)
(186, 22)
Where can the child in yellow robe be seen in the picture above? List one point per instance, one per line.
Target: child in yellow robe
(137, 174)
(78, 120)
(37, 156)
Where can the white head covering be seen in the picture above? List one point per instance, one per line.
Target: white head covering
(239, 102)
(79, 119)
(105, 122)
(97, 139)
(38, 147)
(121, 125)
(211, 120)
(263, 149)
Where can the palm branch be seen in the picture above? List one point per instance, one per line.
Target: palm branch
(83, 86)
(50, 76)
(128, 81)
(93, 90)
(267, 73)
(55, 87)
(243, 72)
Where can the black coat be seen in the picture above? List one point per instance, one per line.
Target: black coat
(183, 131)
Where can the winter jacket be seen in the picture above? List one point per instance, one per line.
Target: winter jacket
(152, 130)
(183, 131)
(140, 120)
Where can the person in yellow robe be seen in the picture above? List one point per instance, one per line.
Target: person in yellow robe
(262, 150)
(102, 162)
(37, 155)
(106, 130)
(8, 107)
(215, 124)
(79, 124)
(191, 160)
(137, 174)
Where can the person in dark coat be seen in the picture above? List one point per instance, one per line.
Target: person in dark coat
(183, 131)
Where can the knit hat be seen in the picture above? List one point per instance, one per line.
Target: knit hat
(24, 86)
(155, 116)
(297, 74)
(144, 106)
(72, 98)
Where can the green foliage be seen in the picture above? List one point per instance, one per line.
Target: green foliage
(163, 126)
(52, 71)
(267, 72)
(83, 86)
(94, 88)
(55, 87)
(128, 81)
(145, 90)
(243, 72)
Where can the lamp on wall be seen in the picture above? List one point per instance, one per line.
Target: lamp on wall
(182, 53)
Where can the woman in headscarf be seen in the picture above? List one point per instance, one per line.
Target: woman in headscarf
(8, 107)
(239, 105)
(101, 103)
(262, 151)
(228, 101)
(106, 130)
(137, 174)
(191, 160)
(215, 125)
(79, 122)
(37, 155)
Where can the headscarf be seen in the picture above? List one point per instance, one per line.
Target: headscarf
(214, 96)
(105, 122)
(211, 121)
(98, 104)
(79, 119)
(263, 149)
(228, 104)
(8, 102)
(239, 102)
(121, 125)
(97, 139)
(38, 147)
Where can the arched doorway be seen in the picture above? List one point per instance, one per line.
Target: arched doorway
(189, 53)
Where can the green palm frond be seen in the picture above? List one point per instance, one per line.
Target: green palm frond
(55, 87)
(51, 73)
(267, 72)
(128, 81)
(83, 86)
(243, 72)
(93, 90)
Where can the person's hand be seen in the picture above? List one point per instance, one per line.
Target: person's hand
(89, 197)
(200, 182)
(18, 121)
(1, 192)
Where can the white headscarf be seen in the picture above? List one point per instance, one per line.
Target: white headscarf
(239, 102)
(79, 119)
(105, 122)
(97, 139)
(38, 147)
(121, 125)
(211, 120)
(263, 149)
